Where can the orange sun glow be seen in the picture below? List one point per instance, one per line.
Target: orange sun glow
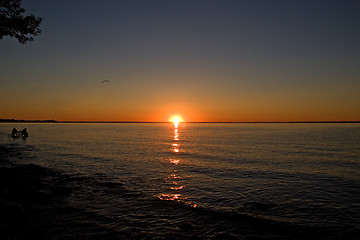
(176, 119)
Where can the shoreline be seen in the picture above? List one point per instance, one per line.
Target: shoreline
(34, 204)
(26, 191)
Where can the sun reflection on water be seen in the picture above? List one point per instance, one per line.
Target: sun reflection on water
(175, 161)
(170, 197)
(176, 137)
(175, 181)
(176, 146)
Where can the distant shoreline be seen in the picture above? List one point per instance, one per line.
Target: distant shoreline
(20, 120)
(54, 121)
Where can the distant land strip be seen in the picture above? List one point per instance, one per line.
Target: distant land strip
(54, 121)
(20, 120)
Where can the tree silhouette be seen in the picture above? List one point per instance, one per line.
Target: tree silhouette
(13, 23)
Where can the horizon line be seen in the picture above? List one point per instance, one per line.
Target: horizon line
(55, 121)
(209, 122)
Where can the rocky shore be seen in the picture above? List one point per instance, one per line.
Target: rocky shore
(24, 190)
(34, 204)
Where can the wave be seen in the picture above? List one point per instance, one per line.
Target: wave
(245, 224)
(103, 207)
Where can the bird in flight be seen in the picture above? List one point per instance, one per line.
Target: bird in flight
(105, 81)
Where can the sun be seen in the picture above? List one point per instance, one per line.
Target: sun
(176, 119)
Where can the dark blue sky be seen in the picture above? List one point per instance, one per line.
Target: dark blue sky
(209, 60)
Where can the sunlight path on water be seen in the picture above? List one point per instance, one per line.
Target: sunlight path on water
(175, 181)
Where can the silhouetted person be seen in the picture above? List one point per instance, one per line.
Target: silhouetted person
(24, 133)
(14, 132)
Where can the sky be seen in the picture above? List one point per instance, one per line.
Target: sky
(205, 60)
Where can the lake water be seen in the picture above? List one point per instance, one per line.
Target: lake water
(202, 179)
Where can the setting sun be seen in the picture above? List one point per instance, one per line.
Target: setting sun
(176, 119)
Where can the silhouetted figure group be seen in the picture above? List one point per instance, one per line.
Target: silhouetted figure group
(22, 133)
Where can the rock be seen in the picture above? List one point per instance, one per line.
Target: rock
(10, 211)
(43, 196)
(12, 221)
(62, 191)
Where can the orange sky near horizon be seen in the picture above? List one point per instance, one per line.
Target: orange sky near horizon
(262, 108)
(159, 100)
(99, 102)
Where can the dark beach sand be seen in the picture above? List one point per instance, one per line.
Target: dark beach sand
(34, 204)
